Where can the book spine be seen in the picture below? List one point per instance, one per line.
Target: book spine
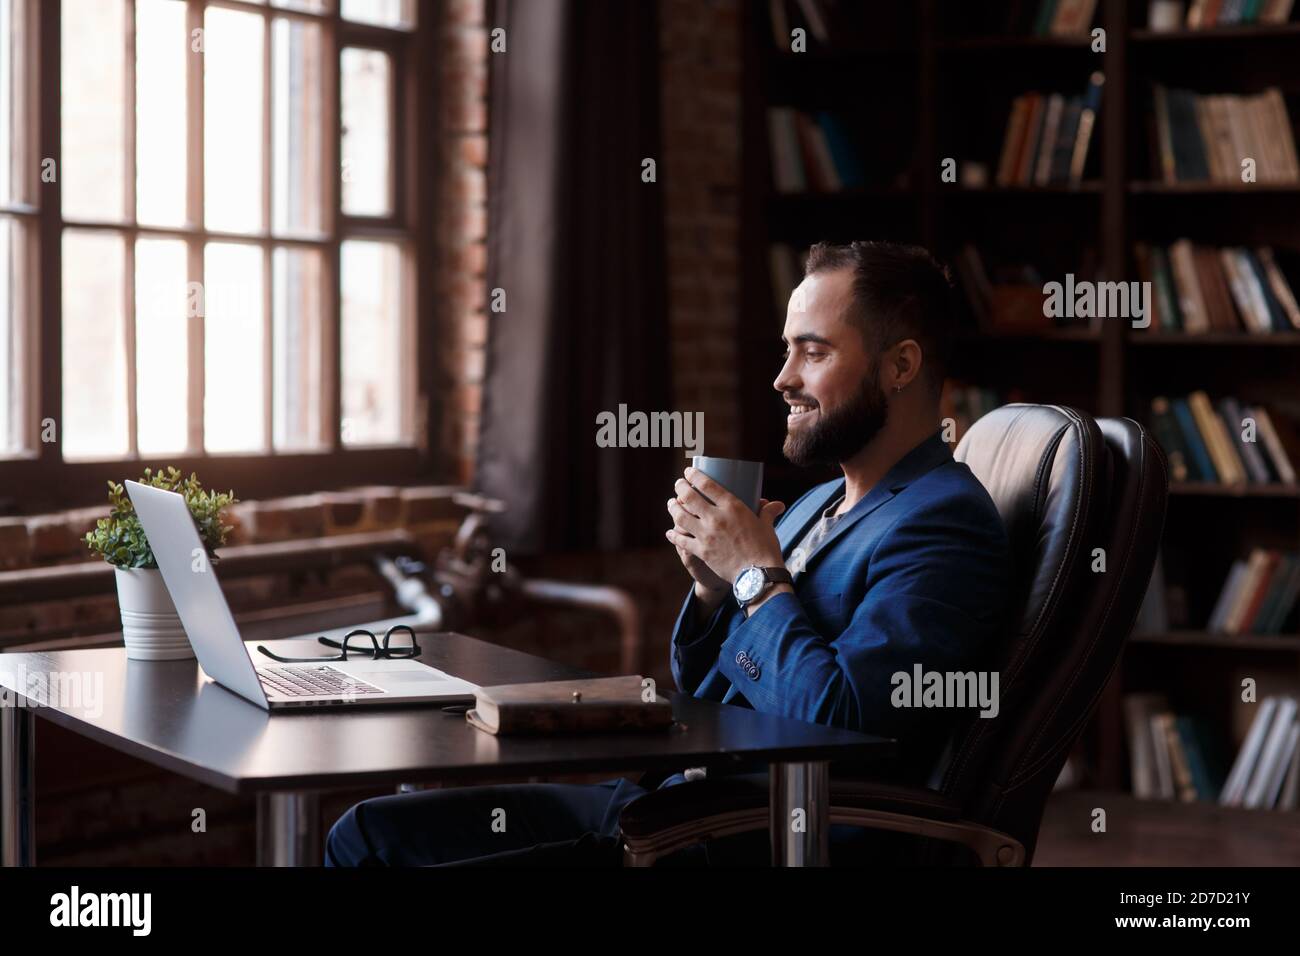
(1087, 119)
(1011, 140)
(1167, 434)
(1245, 591)
(1164, 286)
(1278, 610)
(1281, 288)
(1235, 786)
(1233, 417)
(1227, 596)
(1212, 431)
(1277, 455)
(1200, 454)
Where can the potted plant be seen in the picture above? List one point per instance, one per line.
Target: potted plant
(151, 629)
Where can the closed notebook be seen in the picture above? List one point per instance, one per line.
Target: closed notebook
(603, 704)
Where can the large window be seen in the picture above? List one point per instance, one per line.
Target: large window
(18, 221)
(231, 213)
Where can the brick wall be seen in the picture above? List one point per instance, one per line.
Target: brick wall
(426, 512)
(461, 231)
(700, 51)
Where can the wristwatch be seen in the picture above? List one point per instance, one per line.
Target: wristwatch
(753, 581)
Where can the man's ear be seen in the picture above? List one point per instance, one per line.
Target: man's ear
(904, 361)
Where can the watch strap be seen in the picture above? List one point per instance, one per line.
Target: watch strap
(778, 575)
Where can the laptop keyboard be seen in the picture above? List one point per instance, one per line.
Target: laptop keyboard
(313, 680)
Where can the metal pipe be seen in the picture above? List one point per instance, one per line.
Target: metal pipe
(412, 595)
(288, 828)
(800, 807)
(17, 783)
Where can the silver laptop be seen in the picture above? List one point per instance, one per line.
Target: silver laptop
(221, 652)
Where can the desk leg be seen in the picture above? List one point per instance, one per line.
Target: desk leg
(17, 785)
(800, 838)
(288, 828)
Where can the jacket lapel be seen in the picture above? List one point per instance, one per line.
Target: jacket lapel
(794, 527)
(929, 454)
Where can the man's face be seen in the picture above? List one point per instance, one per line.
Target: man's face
(828, 379)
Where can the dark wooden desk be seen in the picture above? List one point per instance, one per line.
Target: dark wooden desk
(168, 714)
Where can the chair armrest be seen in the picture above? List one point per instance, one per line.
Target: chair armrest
(685, 802)
(670, 818)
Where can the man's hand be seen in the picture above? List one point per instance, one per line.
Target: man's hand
(714, 527)
(710, 590)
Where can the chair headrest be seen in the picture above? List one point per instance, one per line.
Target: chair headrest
(1045, 467)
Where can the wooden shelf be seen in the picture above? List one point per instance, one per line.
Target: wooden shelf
(1156, 188)
(1092, 187)
(1253, 31)
(870, 194)
(1218, 490)
(838, 56)
(1088, 336)
(996, 41)
(1146, 339)
(1256, 642)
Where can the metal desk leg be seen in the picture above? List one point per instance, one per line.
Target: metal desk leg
(288, 828)
(800, 813)
(17, 785)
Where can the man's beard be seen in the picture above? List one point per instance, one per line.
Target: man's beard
(838, 435)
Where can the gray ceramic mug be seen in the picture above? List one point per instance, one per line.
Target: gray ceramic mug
(744, 479)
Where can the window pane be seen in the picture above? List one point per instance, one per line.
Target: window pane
(299, 82)
(161, 346)
(94, 109)
(374, 347)
(367, 95)
(312, 6)
(94, 346)
(15, 123)
(13, 348)
(232, 120)
(9, 363)
(233, 348)
(298, 349)
(162, 45)
(388, 13)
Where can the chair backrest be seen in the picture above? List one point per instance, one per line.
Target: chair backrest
(1064, 485)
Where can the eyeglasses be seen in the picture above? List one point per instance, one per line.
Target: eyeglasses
(374, 652)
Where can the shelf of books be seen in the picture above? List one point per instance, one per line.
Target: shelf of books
(1212, 193)
(1115, 186)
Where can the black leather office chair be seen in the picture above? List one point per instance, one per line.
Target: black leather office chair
(1064, 485)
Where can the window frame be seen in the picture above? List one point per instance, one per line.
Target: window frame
(39, 479)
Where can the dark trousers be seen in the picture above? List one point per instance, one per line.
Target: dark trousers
(540, 824)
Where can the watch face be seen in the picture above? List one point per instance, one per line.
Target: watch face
(749, 583)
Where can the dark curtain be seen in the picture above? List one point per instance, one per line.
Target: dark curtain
(576, 241)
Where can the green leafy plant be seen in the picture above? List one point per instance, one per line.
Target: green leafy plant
(121, 540)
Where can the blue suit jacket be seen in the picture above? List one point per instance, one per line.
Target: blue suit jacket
(918, 571)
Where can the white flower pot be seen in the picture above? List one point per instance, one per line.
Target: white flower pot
(151, 628)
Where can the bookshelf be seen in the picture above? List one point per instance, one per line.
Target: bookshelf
(940, 83)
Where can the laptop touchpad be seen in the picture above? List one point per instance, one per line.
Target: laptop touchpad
(404, 677)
